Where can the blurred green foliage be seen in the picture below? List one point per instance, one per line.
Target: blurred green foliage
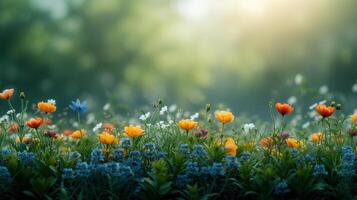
(187, 52)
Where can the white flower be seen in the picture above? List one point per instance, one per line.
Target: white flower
(12, 111)
(298, 79)
(172, 108)
(194, 116)
(163, 110)
(248, 127)
(90, 118)
(161, 124)
(52, 127)
(306, 125)
(106, 106)
(75, 124)
(354, 88)
(4, 118)
(97, 127)
(323, 89)
(144, 117)
(292, 100)
(51, 101)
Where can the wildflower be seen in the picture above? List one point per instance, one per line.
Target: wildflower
(284, 134)
(305, 125)
(163, 110)
(97, 127)
(201, 133)
(187, 124)
(46, 107)
(231, 162)
(244, 156)
(192, 169)
(294, 152)
(26, 158)
(106, 138)
(118, 154)
(325, 111)
(145, 116)
(217, 169)
(199, 151)
(78, 134)
(194, 116)
(172, 108)
(7, 94)
(125, 143)
(6, 152)
(78, 106)
(4, 118)
(133, 131)
(319, 170)
(292, 100)
(68, 173)
(106, 107)
(248, 127)
(96, 156)
(224, 116)
(10, 112)
(266, 142)
(293, 143)
(14, 128)
(74, 155)
(51, 134)
(352, 132)
(284, 108)
(67, 132)
(298, 79)
(82, 170)
(184, 148)
(348, 162)
(108, 127)
(231, 147)
(316, 137)
(5, 176)
(281, 188)
(354, 118)
(34, 123)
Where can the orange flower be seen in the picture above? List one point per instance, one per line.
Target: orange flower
(231, 147)
(224, 116)
(354, 118)
(325, 111)
(106, 138)
(108, 127)
(284, 108)
(35, 122)
(78, 134)
(187, 124)
(316, 137)
(14, 128)
(46, 107)
(293, 143)
(133, 131)
(7, 94)
(67, 132)
(266, 142)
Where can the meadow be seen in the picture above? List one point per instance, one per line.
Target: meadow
(168, 153)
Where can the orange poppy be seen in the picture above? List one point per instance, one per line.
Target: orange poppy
(267, 141)
(224, 116)
(284, 108)
(107, 138)
(46, 107)
(316, 137)
(133, 131)
(293, 143)
(14, 128)
(7, 94)
(108, 127)
(187, 124)
(354, 118)
(78, 134)
(325, 111)
(67, 132)
(231, 147)
(35, 122)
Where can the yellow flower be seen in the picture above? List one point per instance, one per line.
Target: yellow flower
(293, 143)
(316, 137)
(46, 107)
(78, 134)
(249, 146)
(231, 147)
(275, 152)
(133, 131)
(187, 124)
(106, 138)
(224, 116)
(354, 118)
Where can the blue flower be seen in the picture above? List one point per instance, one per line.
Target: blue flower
(5, 176)
(182, 180)
(68, 173)
(150, 150)
(192, 169)
(282, 188)
(217, 169)
(348, 162)
(6, 152)
(125, 143)
(26, 158)
(184, 149)
(78, 106)
(74, 155)
(319, 170)
(294, 152)
(118, 154)
(245, 156)
(96, 156)
(231, 162)
(199, 151)
(83, 170)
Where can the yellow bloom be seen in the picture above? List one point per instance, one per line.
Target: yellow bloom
(316, 137)
(249, 146)
(224, 116)
(133, 131)
(231, 147)
(275, 152)
(46, 107)
(106, 138)
(354, 118)
(187, 124)
(293, 143)
(78, 134)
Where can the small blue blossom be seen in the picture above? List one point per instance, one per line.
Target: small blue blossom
(78, 106)
(68, 173)
(6, 152)
(319, 170)
(5, 176)
(231, 162)
(245, 156)
(125, 143)
(348, 162)
(26, 158)
(281, 188)
(74, 155)
(199, 151)
(184, 149)
(83, 170)
(118, 154)
(192, 169)
(182, 180)
(217, 169)
(294, 152)
(96, 156)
